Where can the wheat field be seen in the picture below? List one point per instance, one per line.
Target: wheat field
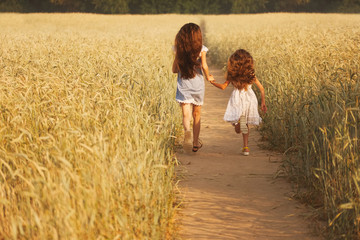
(309, 65)
(88, 118)
(87, 128)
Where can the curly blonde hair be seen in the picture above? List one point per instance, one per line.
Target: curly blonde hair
(240, 69)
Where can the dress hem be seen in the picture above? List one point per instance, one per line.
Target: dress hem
(250, 123)
(190, 101)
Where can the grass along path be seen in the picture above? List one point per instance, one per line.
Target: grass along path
(230, 196)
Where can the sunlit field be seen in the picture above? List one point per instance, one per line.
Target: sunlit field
(89, 120)
(87, 127)
(309, 65)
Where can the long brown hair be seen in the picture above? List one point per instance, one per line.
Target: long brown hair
(240, 69)
(188, 44)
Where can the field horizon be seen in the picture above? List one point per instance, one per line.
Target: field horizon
(89, 124)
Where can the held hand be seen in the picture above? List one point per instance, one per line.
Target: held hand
(263, 107)
(211, 78)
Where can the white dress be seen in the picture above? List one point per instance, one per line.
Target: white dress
(243, 102)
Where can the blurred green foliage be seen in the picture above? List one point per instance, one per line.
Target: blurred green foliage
(179, 6)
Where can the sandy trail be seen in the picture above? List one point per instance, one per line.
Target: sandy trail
(230, 196)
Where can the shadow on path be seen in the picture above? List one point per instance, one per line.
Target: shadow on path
(230, 196)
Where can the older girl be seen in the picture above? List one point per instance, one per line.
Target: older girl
(191, 66)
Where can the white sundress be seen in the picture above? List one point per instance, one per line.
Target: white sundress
(243, 102)
(191, 90)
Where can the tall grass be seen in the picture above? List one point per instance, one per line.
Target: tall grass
(88, 117)
(309, 65)
(87, 126)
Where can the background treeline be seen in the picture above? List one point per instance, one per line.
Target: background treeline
(179, 6)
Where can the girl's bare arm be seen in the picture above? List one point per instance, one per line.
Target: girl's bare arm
(262, 92)
(205, 67)
(222, 86)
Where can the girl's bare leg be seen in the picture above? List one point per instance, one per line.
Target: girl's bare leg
(186, 112)
(246, 140)
(237, 128)
(196, 124)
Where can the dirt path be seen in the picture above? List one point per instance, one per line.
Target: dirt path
(230, 196)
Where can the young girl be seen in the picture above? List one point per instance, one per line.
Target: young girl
(242, 108)
(190, 59)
